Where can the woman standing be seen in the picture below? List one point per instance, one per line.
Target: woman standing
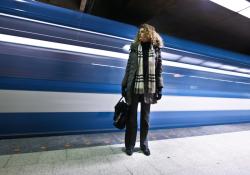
(142, 83)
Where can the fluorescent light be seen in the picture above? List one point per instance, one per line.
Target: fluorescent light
(79, 49)
(240, 6)
(228, 67)
(211, 64)
(245, 12)
(170, 56)
(234, 5)
(191, 60)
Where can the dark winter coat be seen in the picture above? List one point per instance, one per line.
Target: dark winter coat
(132, 66)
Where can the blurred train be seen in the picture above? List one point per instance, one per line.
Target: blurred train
(61, 72)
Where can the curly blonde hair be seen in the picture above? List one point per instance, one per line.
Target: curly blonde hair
(155, 38)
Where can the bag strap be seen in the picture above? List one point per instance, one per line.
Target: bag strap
(119, 100)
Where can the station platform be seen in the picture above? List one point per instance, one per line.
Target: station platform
(208, 150)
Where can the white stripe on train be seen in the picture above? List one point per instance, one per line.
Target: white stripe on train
(18, 101)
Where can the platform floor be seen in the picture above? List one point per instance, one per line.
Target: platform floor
(220, 153)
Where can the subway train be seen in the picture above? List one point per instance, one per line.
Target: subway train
(61, 73)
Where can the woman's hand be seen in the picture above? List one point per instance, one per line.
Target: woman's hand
(159, 94)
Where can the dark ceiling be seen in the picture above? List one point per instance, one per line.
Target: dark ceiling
(197, 20)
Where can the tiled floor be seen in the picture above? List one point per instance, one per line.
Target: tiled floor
(214, 154)
(37, 144)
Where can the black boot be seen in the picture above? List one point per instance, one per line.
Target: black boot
(145, 151)
(129, 151)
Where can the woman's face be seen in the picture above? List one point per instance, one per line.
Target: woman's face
(144, 36)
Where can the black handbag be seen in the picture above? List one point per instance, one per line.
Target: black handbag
(120, 115)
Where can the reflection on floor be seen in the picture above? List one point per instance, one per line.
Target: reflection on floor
(36, 144)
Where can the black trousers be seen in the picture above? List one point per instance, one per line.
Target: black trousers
(131, 123)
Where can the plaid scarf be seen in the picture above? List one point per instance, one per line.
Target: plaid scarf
(139, 79)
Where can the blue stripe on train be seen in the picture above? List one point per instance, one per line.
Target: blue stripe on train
(28, 124)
